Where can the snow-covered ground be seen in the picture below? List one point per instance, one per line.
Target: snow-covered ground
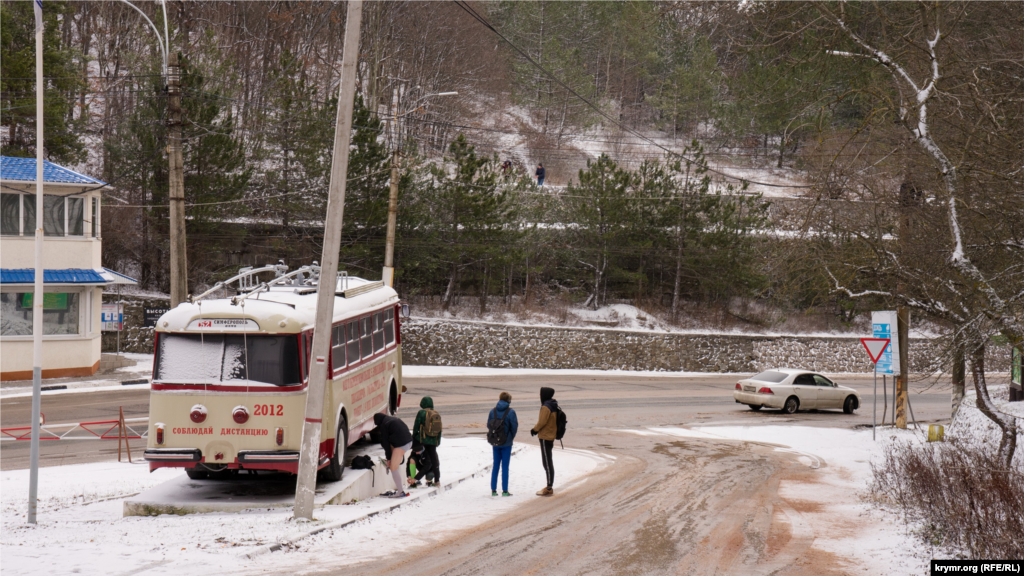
(81, 529)
(862, 537)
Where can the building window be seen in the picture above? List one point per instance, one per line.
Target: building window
(76, 216)
(10, 214)
(60, 313)
(95, 217)
(62, 215)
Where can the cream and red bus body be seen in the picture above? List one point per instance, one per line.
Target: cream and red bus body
(195, 416)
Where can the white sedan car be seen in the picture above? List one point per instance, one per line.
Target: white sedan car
(791, 390)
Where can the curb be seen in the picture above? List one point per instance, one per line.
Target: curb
(84, 387)
(267, 549)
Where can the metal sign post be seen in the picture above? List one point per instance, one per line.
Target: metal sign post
(875, 348)
(37, 289)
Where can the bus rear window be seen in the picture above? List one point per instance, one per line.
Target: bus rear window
(227, 359)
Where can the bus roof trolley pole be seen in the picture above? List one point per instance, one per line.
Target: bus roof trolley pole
(310, 448)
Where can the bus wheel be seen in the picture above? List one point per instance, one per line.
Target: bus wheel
(336, 467)
(393, 400)
(196, 473)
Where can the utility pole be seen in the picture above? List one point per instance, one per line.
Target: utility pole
(389, 248)
(38, 289)
(909, 199)
(309, 454)
(388, 276)
(179, 266)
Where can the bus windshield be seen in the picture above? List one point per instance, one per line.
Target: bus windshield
(256, 359)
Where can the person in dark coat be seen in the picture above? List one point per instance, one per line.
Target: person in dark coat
(547, 429)
(430, 443)
(396, 440)
(540, 174)
(503, 453)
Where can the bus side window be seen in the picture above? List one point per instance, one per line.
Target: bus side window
(389, 326)
(378, 332)
(365, 337)
(307, 341)
(338, 347)
(353, 341)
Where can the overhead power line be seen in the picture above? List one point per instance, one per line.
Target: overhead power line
(476, 16)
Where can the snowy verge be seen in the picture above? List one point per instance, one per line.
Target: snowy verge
(81, 529)
(832, 499)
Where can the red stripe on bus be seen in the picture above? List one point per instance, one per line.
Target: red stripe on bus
(314, 420)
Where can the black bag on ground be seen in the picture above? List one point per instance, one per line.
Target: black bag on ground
(496, 432)
(364, 462)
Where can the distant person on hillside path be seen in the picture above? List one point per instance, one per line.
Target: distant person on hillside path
(396, 440)
(547, 430)
(502, 420)
(506, 168)
(540, 174)
(422, 432)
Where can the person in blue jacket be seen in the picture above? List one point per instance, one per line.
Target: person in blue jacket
(503, 452)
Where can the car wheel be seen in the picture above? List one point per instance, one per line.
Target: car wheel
(754, 407)
(850, 405)
(336, 466)
(791, 405)
(196, 473)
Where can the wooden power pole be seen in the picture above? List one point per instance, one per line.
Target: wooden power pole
(179, 267)
(389, 246)
(309, 454)
(909, 199)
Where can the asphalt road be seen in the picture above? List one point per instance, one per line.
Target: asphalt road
(464, 401)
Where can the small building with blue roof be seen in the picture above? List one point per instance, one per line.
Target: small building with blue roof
(73, 274)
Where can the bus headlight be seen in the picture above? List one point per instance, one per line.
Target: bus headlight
(198, 413)
(159, 433)
(240, 414)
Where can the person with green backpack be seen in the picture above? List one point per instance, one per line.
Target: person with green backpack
(426, 429)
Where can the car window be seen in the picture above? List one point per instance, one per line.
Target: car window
(822, 381)
(771, 376)
(804, 379)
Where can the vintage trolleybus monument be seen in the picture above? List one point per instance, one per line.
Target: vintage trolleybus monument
(231, 375)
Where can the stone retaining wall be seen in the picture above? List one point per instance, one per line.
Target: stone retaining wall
(454, 343)
(458, 343)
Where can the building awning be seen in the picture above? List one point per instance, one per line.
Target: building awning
(98, 276)
(118, 278)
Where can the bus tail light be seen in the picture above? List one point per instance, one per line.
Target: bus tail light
(240, 414)
(738, 387)
(198, 413)
(159, 433)
(765, 390)
(279, 436)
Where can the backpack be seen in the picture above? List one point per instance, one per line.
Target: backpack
(432, 424)
(364, 462)
(560, 422)
(496, 432)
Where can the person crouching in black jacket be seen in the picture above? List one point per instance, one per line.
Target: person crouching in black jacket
(396, 440)
(424, 466)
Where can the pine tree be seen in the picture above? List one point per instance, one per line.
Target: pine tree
(18, 85)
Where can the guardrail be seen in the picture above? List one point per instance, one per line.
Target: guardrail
(99, 430)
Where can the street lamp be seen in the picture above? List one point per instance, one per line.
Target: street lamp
(389, 248)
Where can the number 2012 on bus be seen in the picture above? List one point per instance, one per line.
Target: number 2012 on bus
(268, 410)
